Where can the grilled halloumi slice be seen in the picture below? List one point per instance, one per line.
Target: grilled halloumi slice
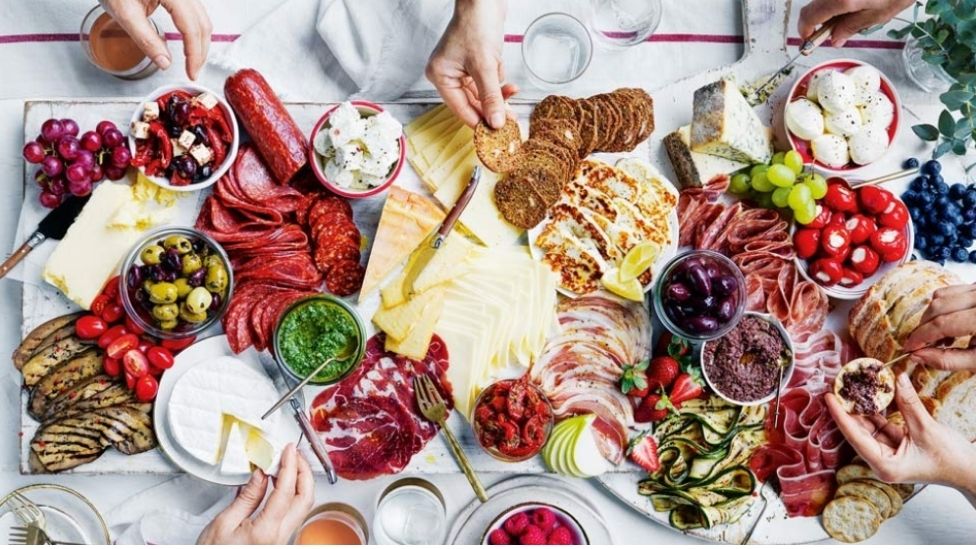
(566, 219)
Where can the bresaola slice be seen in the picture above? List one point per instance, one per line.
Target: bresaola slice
(370, 421)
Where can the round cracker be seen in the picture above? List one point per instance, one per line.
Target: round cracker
(498, 149)
(896, 499)
(882, 398)
(854, 471)
(554, 106)
(865, 490)
(851, 519)
(519, 203)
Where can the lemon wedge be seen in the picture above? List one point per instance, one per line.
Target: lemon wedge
(639, 259)
(628, 289)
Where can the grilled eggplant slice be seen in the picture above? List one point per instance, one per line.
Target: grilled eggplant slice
(115, 395)
(72, 441)
(134, 424)
(50, 357)
(64, 404)
(43, 336)
(67, 375)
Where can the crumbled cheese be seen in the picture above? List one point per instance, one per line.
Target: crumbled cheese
(358, 152)
(178, 150)
(150, 111)
(206, 100)
(201, 153)
(139, 130)
(186, 139)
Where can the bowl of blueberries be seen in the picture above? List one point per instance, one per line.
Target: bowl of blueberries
(943, 214)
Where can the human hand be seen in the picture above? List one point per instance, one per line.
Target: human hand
(189, 16)
(951, 314)
(466, 66)
(922, 450)
(289, 504)
(848, 17)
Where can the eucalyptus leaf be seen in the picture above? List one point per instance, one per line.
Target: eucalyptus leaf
(958, 147)
(953, 100)
(926, 132)
(941, 149)
(947, 124)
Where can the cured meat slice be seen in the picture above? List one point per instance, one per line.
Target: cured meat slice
(580, 376)
(345, 277)
(257, 185)
(369, 421)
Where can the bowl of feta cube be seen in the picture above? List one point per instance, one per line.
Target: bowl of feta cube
(357, 149)
(842, 115)
(183, 137)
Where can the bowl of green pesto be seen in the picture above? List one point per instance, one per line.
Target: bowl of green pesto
(315, 329)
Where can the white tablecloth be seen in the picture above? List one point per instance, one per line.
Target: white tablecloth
(39, 57)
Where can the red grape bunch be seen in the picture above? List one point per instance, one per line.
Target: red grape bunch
(72, 164)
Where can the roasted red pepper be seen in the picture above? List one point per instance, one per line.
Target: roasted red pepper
(216, 145)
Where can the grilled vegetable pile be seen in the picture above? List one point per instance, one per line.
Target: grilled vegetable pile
(703, 479)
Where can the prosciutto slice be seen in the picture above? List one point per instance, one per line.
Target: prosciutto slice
(370, 421)
(580, 376)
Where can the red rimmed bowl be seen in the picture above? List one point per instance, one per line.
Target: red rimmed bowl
(799, 90)
(366, 109)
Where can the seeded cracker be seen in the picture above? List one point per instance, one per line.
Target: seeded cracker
(519, 203)
(498, 149)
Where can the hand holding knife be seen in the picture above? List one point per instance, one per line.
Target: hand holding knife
(808, 47)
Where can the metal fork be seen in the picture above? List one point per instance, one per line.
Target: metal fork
(434, 409)
(26, 510)
(33, 534)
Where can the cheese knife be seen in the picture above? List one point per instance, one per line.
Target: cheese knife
(436, 240)
(54, 226)
(277, 374)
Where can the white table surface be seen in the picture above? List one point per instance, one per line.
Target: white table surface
(937, 515)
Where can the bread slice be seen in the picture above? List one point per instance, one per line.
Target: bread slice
(926, 380)
(854, 372)
(957, 393)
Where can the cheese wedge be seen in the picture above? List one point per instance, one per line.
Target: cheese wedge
(406, 220)
(724, 124)
(234, 459)
(398, 322)
(423, 325)
(695, 169)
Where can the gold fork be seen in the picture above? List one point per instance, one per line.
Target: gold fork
(33, 534)
(434, 409)
(26, 510)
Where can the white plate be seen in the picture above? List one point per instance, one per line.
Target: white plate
(199, 355)
(666, 254)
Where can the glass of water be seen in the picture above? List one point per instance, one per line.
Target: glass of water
(556, 49)
(624, 23)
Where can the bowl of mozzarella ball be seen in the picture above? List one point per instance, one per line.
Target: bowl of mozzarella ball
(357, 149)
(842, 115)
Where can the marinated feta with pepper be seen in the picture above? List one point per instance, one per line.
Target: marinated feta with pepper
(358, 152)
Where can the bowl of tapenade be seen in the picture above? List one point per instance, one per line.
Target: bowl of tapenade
(745, 365)
(315, 329)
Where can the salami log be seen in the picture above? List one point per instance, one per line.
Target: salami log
(278, 138)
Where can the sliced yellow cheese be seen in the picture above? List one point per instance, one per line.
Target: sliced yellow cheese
(406, 220)
(448, 147)
(438, 176)
(452, 259)
(481, 218)
(418, 340)
(393, 294)
(434, 132)
(398, 322)
(435, 114)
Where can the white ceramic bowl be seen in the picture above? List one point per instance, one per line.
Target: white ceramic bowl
(219, 171)
(787, 371)
(799, 90)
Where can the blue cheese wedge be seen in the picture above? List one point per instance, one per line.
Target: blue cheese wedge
(724, 124)
(695, 169)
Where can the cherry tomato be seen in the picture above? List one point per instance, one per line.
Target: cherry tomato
(111, 288)
(823, 217)
(865, 260)
(160, 357)
(132, 327)
(144, 345)
(111, 335)
(130, 381)
(90, 327)
(178, 344)
(835, 241)
(889, 243)
(861, 227)
(806, 242)
(827, 270)
(135, 363)
(112, 313)
(146, 389)
(99, 303)
(874, 199)
(895, 216)
(122, 345)
(112, 366)
(840, 197)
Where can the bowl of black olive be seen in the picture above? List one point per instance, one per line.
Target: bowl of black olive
(176, 282)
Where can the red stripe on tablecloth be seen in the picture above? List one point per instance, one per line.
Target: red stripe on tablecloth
(73, 36)
(660, 37)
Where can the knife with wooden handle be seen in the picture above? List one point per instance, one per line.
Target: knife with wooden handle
(54, 226)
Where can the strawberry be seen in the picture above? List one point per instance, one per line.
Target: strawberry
(671, 345)
(686, 387)
(532, 535)
(544, 518)
(499, 537)
(662, 372)
(643, 451)
(654, 407)
(633, 382)
(516, 524)
(560, 536)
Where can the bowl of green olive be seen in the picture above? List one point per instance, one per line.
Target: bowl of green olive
(176, 282)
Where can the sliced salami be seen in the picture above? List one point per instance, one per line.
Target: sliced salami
(345, 277)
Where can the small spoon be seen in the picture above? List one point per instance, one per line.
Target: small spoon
(347, 353)
(779, 392)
